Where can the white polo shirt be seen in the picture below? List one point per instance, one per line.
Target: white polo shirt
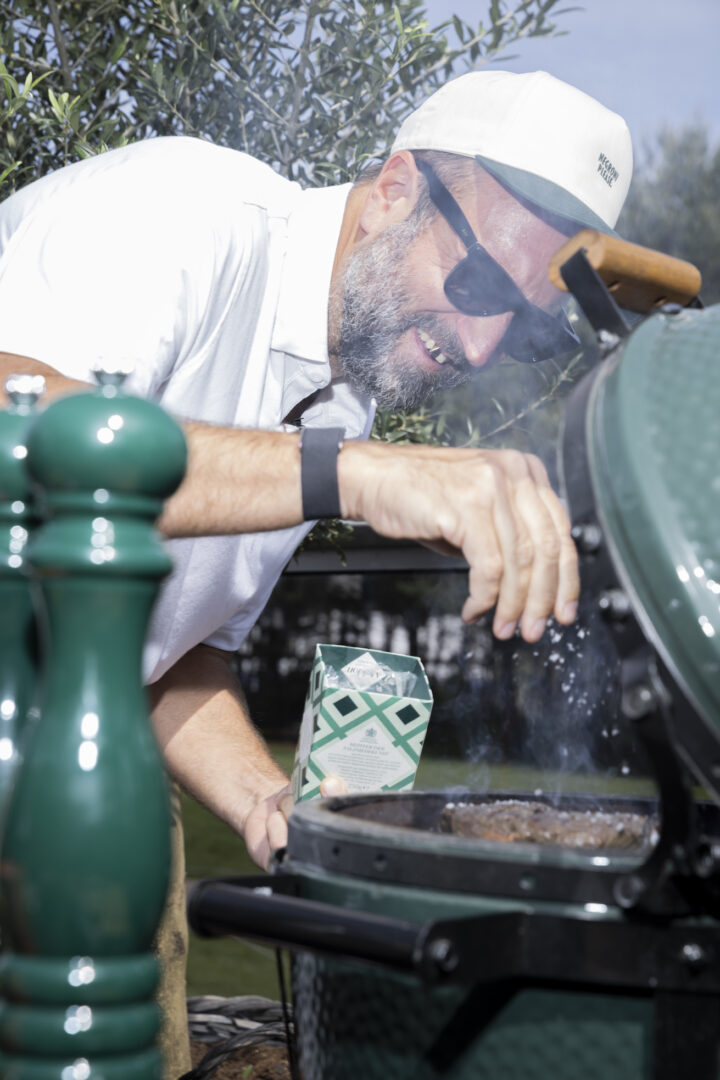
(211, 273)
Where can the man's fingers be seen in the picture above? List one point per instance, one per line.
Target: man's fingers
(517, 547)
(256, 841)
(277, 821)
(331, 786)
(277, 830)
(279, 807)
(526, 564)
(266, 826)
(485, 559)
(503, 561)
(286, 804)
(568, 589)
(541, 596)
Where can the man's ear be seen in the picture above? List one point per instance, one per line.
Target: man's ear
(392, 195)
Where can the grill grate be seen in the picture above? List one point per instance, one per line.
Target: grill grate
(516, 821)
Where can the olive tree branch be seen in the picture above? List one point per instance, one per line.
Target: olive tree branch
(299, 85)
(371, 102)
(564, 375)
(60, 45)
(235, 78)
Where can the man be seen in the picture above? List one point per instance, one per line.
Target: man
(245, 303)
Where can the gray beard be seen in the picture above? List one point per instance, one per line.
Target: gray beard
(374, 315)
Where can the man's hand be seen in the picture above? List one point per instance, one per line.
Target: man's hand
(495, 507)
(213, 750)
(266, 827)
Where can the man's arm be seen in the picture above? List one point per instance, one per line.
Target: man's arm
(55, 383)
(495, 507)
(215, 753)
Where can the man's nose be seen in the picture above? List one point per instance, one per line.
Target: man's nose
(481, 335)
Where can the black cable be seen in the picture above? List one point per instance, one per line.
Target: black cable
(265, 1035)
(292, 1059)
(233, 1024)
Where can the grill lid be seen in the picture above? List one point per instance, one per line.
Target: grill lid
(653, 454)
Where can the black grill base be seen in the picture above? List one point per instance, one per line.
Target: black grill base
(354, 1021)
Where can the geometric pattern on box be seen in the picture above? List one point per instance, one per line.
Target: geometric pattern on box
(345, 705)
(323, 725)
(408, 714)
(334, 709)
(400, 712)
(416, 742)
(340, 716)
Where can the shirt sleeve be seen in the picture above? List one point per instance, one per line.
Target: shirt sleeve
(113, 267)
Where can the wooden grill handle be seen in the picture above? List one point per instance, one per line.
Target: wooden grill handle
(639, 278)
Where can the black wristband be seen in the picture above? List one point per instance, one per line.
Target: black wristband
(319, 448)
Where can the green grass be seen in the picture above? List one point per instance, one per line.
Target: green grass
(228, 966)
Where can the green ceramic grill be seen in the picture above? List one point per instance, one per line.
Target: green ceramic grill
(653, 446)
(422, 953)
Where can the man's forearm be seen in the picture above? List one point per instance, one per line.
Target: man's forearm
(209, 743)
(55, 383)
(237, 481)
(495, 507)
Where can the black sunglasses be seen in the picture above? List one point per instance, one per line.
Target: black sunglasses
(480, 286)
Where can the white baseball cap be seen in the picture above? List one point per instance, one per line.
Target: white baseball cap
(539, 137)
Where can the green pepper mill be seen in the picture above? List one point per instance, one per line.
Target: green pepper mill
(18, 645)
(85, 853)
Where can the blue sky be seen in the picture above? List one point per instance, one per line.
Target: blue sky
(653, 61)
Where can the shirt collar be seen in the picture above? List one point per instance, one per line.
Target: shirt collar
(300, 326)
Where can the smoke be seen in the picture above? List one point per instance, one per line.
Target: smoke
(567, 699)
(532, 716)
